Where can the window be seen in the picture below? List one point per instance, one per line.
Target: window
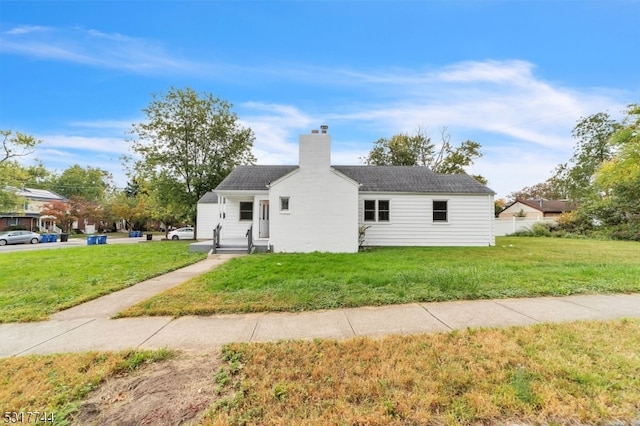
(246, 210)
(383, 210)
(369, 210)
(439, 211)
(284, 204)
(376, 210)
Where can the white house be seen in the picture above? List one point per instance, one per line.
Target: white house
(319, 207)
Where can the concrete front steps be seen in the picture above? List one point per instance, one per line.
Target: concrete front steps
(229, 247)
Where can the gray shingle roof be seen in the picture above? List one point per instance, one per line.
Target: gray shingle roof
(209, 198)
(548, 206)
(411, 179)
(253, 178)
(371, 178)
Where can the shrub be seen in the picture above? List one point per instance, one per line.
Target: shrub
(627, 231)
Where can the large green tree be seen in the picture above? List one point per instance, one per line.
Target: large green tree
(550, 189)
(593, 148)
(91, 183)
(188, 144)
(618, 179)
(417, 149)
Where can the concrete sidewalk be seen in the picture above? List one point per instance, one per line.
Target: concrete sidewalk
(88, 327)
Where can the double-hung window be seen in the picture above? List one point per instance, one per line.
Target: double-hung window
(440, 211)
(246, 210)
(377, 211)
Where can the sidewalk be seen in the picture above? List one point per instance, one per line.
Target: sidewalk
(88, 327)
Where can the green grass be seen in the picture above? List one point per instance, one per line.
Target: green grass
(515, 267)
(35, 284)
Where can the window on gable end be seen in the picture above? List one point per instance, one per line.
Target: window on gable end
(284, 204)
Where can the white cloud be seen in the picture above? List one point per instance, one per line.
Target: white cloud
(94, 48)
(523, 122)
(276, 128)
(26, 29)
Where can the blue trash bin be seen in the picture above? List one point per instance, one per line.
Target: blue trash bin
(102, 239)
(92, 240)
(138, 233)
(53, 238)
(43, 238)
(132, 234)
(46, 238)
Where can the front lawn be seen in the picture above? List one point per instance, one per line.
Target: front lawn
(515, 267)
(35, 284)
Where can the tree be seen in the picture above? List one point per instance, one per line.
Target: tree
(12, 173)
(131, 208)
(592, 149)
(62, 212)
(188, 145)
(549, 189)
(404, 149)
(90, 183)
(16, 145)
(618, 179)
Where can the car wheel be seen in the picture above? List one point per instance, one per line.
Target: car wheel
(34, 241)
(3, 242)
(175, 237)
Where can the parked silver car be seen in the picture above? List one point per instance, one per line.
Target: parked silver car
(19, 237)
(181, 234)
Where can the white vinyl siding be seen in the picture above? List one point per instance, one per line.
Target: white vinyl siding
(469, 221)
(232, 226)
(208, 217)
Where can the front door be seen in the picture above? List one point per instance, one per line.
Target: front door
(264, 219)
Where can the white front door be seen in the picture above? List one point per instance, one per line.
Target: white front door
(264, 219)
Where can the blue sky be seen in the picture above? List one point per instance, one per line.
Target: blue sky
(514, 75)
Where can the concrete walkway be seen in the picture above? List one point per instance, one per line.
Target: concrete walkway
(88, 327)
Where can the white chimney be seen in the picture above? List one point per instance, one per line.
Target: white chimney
(315, 150)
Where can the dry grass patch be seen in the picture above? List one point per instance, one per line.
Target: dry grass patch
(586, 372)
(56, 383)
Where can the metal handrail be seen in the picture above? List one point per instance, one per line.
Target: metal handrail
(249, 236)
(216, 238)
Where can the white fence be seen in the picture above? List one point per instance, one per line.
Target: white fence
(514, 224)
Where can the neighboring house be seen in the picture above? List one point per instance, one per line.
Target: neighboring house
(319, 207)
(536, 209)
(29, 217)
(522, 215)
